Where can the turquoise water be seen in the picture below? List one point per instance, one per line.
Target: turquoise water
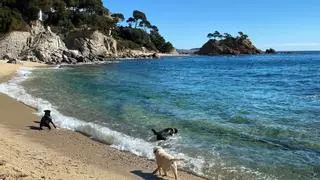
(242, 117)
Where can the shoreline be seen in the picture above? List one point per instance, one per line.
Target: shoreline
(80, 150)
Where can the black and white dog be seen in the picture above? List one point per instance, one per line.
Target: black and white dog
(163, 134)
(46, 120)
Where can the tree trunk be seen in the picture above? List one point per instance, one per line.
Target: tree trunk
(135, 26)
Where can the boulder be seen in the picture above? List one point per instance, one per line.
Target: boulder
(12, 61)
(155, 55)
(7, 57)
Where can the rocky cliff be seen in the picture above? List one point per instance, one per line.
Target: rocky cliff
(91, 44)
(12, 44)
(228, 46)
(40, 44)
(43, 45)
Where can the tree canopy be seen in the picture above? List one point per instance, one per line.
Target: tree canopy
(66, 15)
(143, 33)
(228, 39)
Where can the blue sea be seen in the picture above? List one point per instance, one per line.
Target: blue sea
(239, 117)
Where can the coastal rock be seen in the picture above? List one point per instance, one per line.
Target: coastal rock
(12, 44)
(101, 45)
(232, 47)
(270, 51)
(43, 45)
(12, 61)
(140, 54)
(155, 55)
(40, 44)
(91, 44)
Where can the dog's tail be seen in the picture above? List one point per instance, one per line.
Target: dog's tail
(176, 159)
(154, 131)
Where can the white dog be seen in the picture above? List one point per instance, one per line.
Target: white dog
(165, 162)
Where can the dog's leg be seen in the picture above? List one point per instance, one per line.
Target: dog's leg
(157, 169)
(48, 126)
(165, 172)
(175, 171)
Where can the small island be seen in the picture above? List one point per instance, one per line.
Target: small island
(270, 51)
(226, 44)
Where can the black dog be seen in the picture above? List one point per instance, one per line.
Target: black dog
(46, 120)
(163, 134)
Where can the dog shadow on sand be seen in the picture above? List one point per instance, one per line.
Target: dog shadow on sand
(146, 175)
(35, 127)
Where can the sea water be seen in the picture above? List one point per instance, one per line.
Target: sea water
(239, 117)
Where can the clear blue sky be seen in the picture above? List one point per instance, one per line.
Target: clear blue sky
(280, 24)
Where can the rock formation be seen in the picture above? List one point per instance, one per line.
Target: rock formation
(270, 51)
(43, 45)
(232, 46)
(92, 44)
(12, 44)
(40, 44)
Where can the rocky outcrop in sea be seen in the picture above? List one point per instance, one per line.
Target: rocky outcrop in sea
(232, 46)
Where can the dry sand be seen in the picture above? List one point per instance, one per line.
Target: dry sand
(7, 70)
(27, 153)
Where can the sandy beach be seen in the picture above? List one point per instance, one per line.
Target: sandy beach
(27, 153)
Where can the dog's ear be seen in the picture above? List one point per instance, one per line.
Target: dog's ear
(175, 130)
(156, 149)
(154, 132)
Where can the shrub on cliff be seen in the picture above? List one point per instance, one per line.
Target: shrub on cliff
(138, 36)
(167, 48)
(160, 42)
(126, 44)
(5, 19)
(11, 20)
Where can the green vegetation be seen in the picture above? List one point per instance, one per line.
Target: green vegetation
(143, 33)
(66, 15)
(217, 35)
(228, 39)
